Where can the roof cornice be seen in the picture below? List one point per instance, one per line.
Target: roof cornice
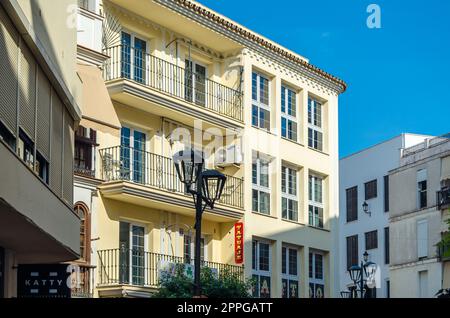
(230, 29)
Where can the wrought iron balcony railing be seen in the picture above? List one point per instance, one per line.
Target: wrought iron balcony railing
(81, 171)
(122, 266)
(82, 277)
(149, 169)
(443, 198)
(134, 64)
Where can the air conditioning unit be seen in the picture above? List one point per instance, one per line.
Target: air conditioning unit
(229, 156)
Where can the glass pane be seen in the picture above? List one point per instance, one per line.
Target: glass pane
(200, 85)
(310, 102)
(254, 254)
(264, 90)
(255, 86)
(126, 55)
(293, 289)
(188, 81)
(264, 257)
(139, 156)
(255, 117)
(140, 51)
(292, 104)
(283, 99)
(255, 173)
(310, 138)
(284, 288)
(284, 127)
(284, 213)
(292, 262)
(264, 174)
(264, 119)
(265, 202)
(283, 260)
(264, 287)
(283, 179)
(318, 268)
(255, 201)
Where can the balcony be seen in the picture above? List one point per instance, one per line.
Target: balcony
(157, 173)
(443, 199)
(136, 268)
(185, 85)
(82, 281)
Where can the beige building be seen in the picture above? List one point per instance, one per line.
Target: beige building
(171, 66)
(419, 200)
(39, 109)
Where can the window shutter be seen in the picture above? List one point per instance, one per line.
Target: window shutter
(9, 49)
(27, 96)
(43, 115)
(69, 140)
(422, 238)
(56, 145)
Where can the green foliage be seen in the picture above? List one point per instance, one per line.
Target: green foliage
(227, 285)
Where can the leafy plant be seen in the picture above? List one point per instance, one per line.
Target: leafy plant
(225, 285)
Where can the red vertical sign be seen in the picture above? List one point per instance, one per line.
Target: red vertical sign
(239, 243)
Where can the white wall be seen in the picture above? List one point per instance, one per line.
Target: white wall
(355, 170)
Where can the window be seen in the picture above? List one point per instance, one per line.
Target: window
(85, 143)
(388, 289)
(422, 188)
(260, 101)
(370, 189)
(352, 204)
(187, 248)
(87, 5)
(133, 58)
(132, 154)
(289, 272)
(288, 113)
(386, 193)
(371, 240)
(316, 275)
(83, 213)
(261, 268)
(315, 133)
(423, 284)
(26, 149)
(195, 83)
(132, 253)
(352, 251)
(315, 201)
(289, 199)
(386, 245)
(422, 239)
(261, 186)
(42, 168)
(7, 136)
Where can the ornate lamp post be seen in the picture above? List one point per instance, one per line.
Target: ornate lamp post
(208, 188)
(359, 275)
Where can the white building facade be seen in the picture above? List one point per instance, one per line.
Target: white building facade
(364, 179)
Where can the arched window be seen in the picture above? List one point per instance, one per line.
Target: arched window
(83, 213)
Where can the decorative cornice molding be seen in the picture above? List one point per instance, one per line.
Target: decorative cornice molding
(251, 40)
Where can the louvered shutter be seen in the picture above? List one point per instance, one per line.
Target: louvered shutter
(69, 140)
(27, 96)
(56, 145)
(9, 49)
(43, 115)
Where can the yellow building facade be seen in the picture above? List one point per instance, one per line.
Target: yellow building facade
(174, 73)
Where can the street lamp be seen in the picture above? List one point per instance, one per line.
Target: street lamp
(366, 209)
(360, 275)
(209, 185)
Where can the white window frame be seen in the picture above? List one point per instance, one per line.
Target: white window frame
(313, 279)
(288, 276)
(133, 129)
(194, 64)
(285, 115)
(258, 102)
(130, 260)
(133, 36)
(182, 234)
(311, 125)
(257, 271)
(312, 200)
(258, 187)
(285, 170)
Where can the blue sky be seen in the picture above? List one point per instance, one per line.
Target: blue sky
(398, 76)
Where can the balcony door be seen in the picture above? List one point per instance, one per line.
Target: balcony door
(195, 83)
(132, 262)
(132, 155)
(134, 58)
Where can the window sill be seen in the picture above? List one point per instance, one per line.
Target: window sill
(319, 151)
(293, 222)
(293, 141)
(266, 215)
(264, 130)
(352, 221)
(319, 228)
